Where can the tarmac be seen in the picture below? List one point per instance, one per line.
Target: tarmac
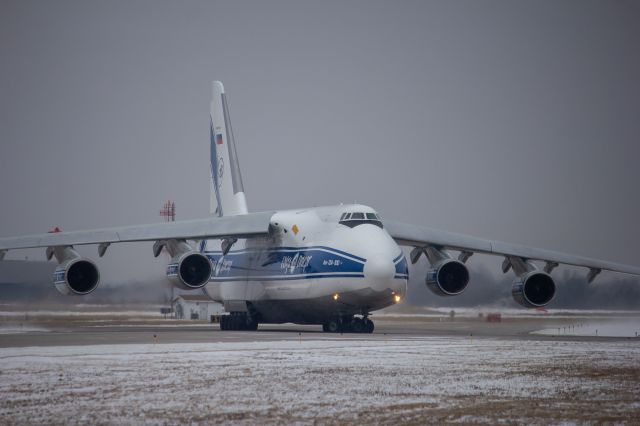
(74, 332)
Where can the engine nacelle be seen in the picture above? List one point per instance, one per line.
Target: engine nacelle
(77, 276)
(189, 270)
(533, 289)
(448, 278)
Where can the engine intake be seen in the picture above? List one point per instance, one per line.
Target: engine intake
(190, 270)
(448, 278)
(76, 276)
(534, 289)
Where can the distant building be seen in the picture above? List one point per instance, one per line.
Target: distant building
(196, 306)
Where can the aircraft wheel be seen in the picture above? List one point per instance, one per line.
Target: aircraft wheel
(368, 326)
(325, 328)
(333, 326)
(224, 322)
(251, 324)
(357, 325)
(235, 323)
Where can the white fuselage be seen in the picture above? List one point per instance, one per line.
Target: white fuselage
(311, 266)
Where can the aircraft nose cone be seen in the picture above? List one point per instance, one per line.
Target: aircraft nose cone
(379, 270)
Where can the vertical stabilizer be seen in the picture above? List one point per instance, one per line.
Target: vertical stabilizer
(227, 192)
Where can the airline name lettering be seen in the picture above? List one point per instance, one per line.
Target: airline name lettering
(289, 264)
(222, 266)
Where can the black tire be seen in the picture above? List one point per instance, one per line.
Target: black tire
(251, 324)
(357, 325)
(333, 326)
(325, 328)
(237, 322)
(368, 326)
(224, 322)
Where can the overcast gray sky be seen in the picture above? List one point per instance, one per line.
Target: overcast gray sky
(511, 120)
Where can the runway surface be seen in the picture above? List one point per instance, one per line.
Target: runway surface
(207, 333)
(46, 330)
(137, 369)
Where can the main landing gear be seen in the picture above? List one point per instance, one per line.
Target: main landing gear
(348, 325)
(238, 321)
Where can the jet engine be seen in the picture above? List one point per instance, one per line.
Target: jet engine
(76, 276)
(449, 277)
(533, 289)
(189, 270)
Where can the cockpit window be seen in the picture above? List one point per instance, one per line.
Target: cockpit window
(354, 219)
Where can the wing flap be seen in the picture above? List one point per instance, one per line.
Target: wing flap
(412, 235)
(241, 226)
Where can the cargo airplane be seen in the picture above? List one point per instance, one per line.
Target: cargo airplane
(332, 266)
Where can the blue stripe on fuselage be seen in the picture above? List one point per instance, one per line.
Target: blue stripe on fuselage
(287, 249)
(402, 269)
(285, 263)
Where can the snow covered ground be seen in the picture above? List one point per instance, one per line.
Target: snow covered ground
(506, 312)
(327, 379)
(600, 329)
(67, 313)
(20, 329)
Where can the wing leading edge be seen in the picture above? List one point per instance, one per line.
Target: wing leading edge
(418, 236)
(241, 226)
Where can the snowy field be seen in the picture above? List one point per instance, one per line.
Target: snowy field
(325, 380)
(20, 329)
(84, 314)
(596, 329)
(520, 313)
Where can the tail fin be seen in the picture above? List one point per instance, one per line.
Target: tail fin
(227, 192)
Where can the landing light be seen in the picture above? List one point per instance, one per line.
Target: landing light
(336, 296)
(396, 298)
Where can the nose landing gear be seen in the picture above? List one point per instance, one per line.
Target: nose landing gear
(348, 324)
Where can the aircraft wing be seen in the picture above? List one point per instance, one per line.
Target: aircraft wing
(419, 236)
(241, 226)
